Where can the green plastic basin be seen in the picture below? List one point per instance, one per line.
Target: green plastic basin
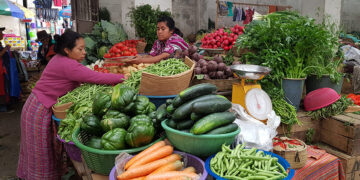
(198, 145)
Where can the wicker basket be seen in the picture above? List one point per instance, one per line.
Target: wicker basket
(297, 159)
(140, 47)
(101, 161)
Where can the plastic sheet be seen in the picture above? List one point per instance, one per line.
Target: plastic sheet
(255, 133)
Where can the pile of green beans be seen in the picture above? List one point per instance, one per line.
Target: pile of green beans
(240, 163)
(84, 92)
(167, 67)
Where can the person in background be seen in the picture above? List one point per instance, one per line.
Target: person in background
(46, 46)
(39, 157)
(169, 42)
(4, 68)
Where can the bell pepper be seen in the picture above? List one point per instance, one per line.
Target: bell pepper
(114, 119)
(101, 104)
(91, 124)
(122, 97)
(140, 134)
(114, 139)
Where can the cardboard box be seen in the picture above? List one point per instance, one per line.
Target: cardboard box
(153, 85)
(342, 132)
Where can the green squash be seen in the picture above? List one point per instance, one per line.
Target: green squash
(114, 139)
(91, 124)
(140, 118)
(101, 104)
(140, 134)
(94, 142)
(122, 97)
(114, 119)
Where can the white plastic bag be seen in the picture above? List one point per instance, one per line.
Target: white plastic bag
(253, 132)
(351, 52)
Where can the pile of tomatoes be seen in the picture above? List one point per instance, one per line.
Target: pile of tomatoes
(222, 38)
(125, 48)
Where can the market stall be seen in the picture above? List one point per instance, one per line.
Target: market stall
(207, 113)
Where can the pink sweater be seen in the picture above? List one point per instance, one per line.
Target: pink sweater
(63, 74)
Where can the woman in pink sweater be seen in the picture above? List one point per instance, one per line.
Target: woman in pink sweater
(38, 158)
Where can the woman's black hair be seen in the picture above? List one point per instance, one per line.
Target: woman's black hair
(66, 40)
(170, 23)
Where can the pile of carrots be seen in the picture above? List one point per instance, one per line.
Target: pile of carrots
(157, 162)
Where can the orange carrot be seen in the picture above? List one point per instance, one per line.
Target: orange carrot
(180, 178)
(155, 155)
(138, 178)
(146, 169)
(172, 174)
(144, 153)
(189, 169)
(173, 166)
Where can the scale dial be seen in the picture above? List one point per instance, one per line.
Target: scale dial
(258, 103)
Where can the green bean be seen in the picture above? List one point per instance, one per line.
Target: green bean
(281, 168)
(232, 177)
(256, 177)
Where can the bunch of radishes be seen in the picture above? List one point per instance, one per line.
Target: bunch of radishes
(222, 38)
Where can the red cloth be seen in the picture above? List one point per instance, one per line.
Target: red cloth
(51, 52)
(57, 3)
(320, 166)
(63, 74)
(249, 15)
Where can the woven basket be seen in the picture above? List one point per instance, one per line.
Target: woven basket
(101, 161)
(60, 111)
(297, 159)
(140, 47)
(73, 152)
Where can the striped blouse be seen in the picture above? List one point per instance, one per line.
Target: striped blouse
(174, 43)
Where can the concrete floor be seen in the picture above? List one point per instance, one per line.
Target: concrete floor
(9, 142)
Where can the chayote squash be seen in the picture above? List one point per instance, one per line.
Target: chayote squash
(140, 134)
(101, 104)
(94, 142)
(140, 118)
(114, 119)
(122, 98)
(143, 106)
(114, 139)
(91, 124)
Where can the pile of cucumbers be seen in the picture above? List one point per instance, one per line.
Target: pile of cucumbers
(198, 110)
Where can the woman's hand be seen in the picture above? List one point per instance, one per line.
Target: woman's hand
(137, 60)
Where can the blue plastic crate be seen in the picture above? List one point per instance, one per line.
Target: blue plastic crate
(281, 160)
(159, 100)
(56, 119)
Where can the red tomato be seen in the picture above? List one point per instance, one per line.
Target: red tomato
(107, 55)
(218, 43)
(226, 42)
(117, 55)
(96, 67)
(106, 71)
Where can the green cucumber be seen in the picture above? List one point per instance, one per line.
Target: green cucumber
(184, 124)
(161, 112)
(171, 123)
(195, 116)
(184, 110)
(169, 101)
(224, 129)
(170, 109)
(211, 106)
(177, 101)
(197, 91)
(212, 121)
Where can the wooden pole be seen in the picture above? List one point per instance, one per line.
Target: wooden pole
(217, 13)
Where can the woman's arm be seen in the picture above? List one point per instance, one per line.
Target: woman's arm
(151, 59)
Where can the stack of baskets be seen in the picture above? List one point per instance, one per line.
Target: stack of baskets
(100, 161)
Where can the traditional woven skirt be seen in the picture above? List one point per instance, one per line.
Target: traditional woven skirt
(38, 157)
